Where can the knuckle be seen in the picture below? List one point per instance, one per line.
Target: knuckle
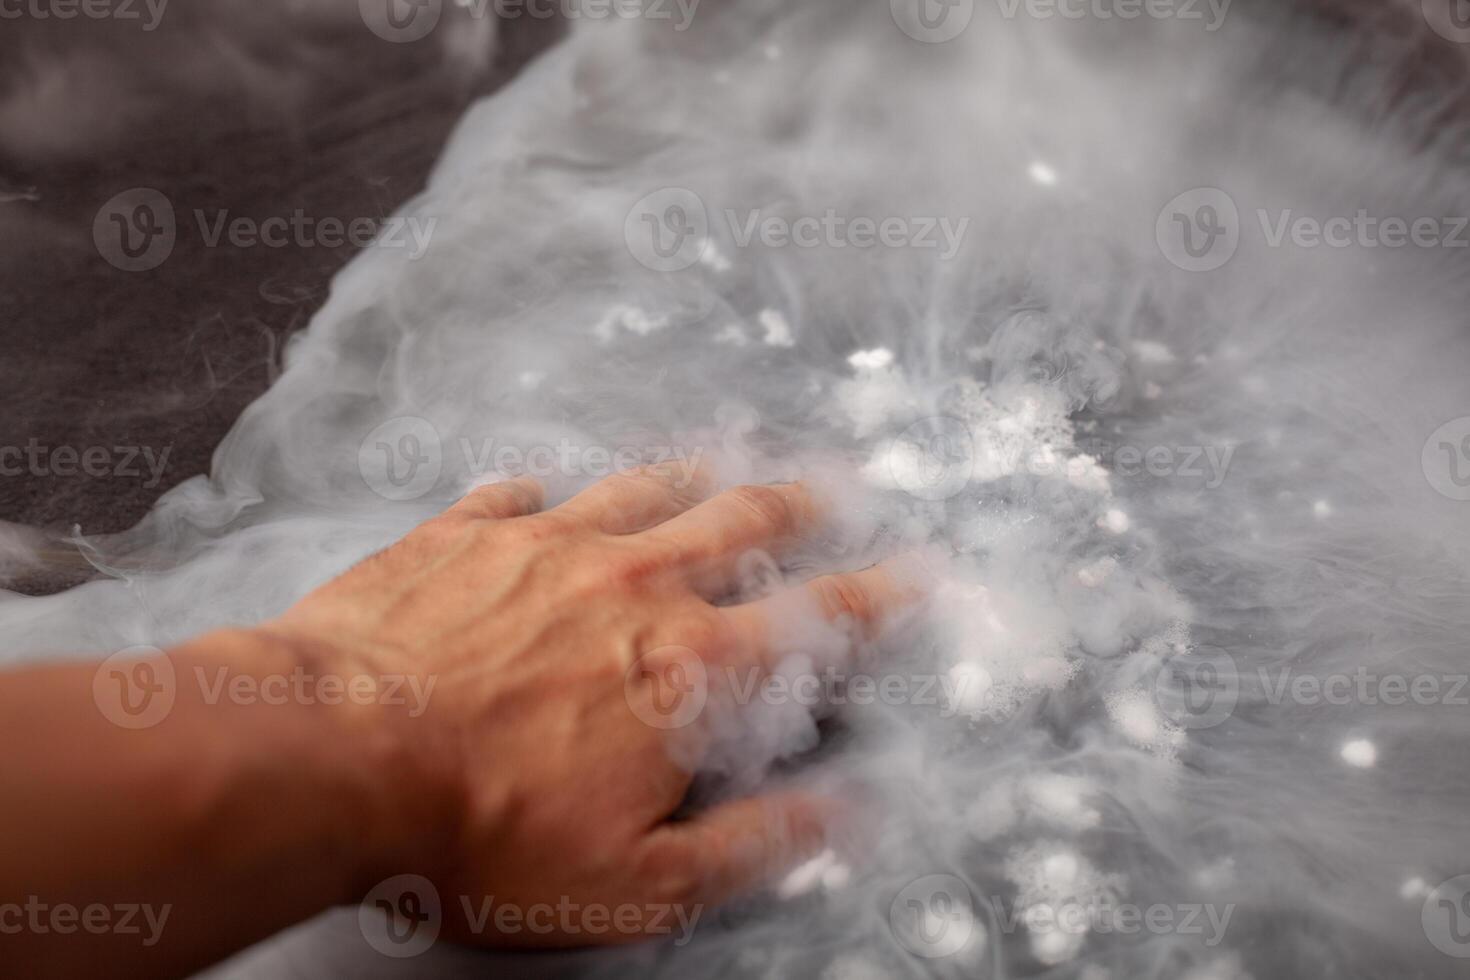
(840, 596)
(635, 566)
(664, 479)
(709, 635)
(537, 529)
(442, 533)
(500, 499)
(670, 873)
(768, 504)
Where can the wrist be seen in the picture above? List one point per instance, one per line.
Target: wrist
(362, 745)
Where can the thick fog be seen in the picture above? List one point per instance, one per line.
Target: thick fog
(1035, 302)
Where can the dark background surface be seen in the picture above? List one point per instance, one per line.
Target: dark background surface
(93, 356)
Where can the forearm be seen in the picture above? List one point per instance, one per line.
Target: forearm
(227, 820)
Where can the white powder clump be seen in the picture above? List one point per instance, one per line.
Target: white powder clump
(1141, 722)
(732, 334)
(871, 360)
(630, 319)
(1061, 800)
(972, 686)
(1042, 173)
(1098, 572)
(1059, 895)
(1360, 753)
(778, 329)
(823, 871)
(1152, 352)
(714, 258)
(1086, 473)
(1115, 521)
(1014, 644)
(1414, 889)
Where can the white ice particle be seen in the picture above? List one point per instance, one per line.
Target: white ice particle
(1152, 352)
(871, 360)
(1042, 173)
(1360, 753)
(778, 330)
(732, 334)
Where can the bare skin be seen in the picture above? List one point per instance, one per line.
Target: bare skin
(542, 767)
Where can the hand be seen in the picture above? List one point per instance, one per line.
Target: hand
(552, 640)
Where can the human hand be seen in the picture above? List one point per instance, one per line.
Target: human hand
(558, 741)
